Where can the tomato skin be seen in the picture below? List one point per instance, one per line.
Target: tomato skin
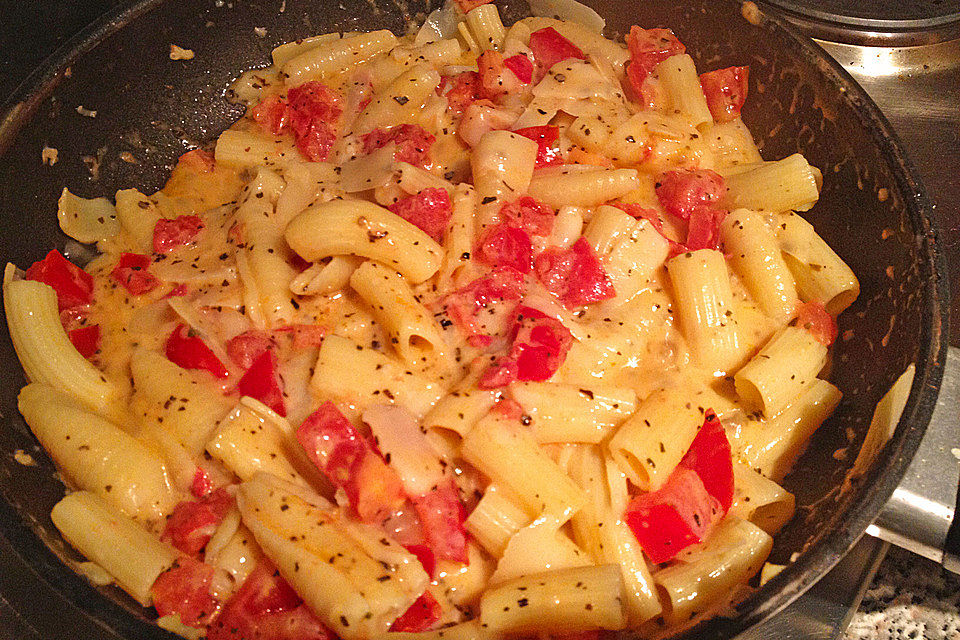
(546, 137)
(413, 143)
(421, 616)
(184, 589)
(309, 112)
(503, 285)
(271, 115)
(575, 275)
(703, 229)
(506, 246)
(131, 272)
(261, 382)
(192, 522)
(348, 460)
(73, 285)
(521, 67)
(201, 484)
(429, 210)
(683, 191)
(426, 557)
(726, 91)
(528, 214)
(468, 5)
(442, 515)
(540, 346)
(169, 235)
(246, 347)
(461, 90)
(549, 48)
(86, 340)
(190, 352)
(710, 458)
(813, 317)
(496, 79)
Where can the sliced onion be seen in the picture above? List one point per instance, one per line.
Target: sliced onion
(568, 10)
(369, 171)
(439, 25)
(87, 220)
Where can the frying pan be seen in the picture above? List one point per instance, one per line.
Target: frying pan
(150, 109)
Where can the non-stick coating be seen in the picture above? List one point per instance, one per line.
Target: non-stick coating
(872, 210)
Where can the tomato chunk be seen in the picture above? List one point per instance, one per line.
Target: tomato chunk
(546, 137)
(534, 217)
(201, 484)
(468, 5)
(813, 317)
(683, 191)
(648, 48)
(503, 286)
(710, 458)
(348, 460)
(310, 112)
(192, 522)
(461, 90)
(413, 143)
(540, 346)
(73, 285)
(442, 514)
(184, 589)
(169, 235)
(703, 229)
(549, 48)
(271, 115)
(422, 615)
(190, 352)
(426, 557)
(86, 340)
(246, 347)
(496, 79)
(726, 91)
(262, 382)
(521, 67)
(506, 246)
(575, 275)
(131, 272)
(429, 210)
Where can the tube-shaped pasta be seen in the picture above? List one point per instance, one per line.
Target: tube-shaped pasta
(820, 273)
(778, 374)
(130, 554)
(502, 164)
(565, 601)
(589, 41)
(401, 100)
(290, 50)
(253, 149)
(470, 630)
(413, 332)
(495, 519)
(97, 455)
(460, 409)
(757, 260)
(568, 413)
(138, 216)
(786, 184)
(458, 241)
(760, 500)
(485, 26)
(703, 295)
(511, 457)
(343, 227)
(336, 56)
(679, 79)
(581, 187)
(324, 279)
(732, 144)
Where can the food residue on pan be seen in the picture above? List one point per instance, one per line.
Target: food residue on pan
(24, 458)
(88, 113)
(261, 32)
(48, 156)
(179, 53)
(751, 12)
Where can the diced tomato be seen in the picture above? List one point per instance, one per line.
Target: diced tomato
(426, 557)
(169, 235)
(305, 336)
(813, 317)
(546, 138)
(201, 484)
(310, 103)
(310, 111)
(197, 160)
(540, 346)
(73, 285)
(461, 90)
(508, 408)
(413, 143)
(86, 340)
(422, 615)
(505, 246)
(521, 67)
(528, 214)
(246, 347)
(468, 5)
(428, 210)
(703, 229)
(549, 48)
(685, 190)
(726, 91)
(501, 285)
(271, 115)
(261, 382)
(575, 275)
(267, 608)
(709, 456)
(131, 272)
(177, 291)
(316, 143)
(650, 47)
(192, 522)
(191, 352)
(348, 460)
(442, 514)
(496, 78)
(184, 589)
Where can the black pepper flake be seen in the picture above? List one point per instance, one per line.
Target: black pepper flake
(488, 200)
(522, 602)
(401, 100)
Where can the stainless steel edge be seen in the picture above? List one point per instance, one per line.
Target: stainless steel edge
(920, 512)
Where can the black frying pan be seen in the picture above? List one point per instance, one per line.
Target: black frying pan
(156, 109)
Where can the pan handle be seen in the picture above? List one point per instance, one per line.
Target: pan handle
(920, 515)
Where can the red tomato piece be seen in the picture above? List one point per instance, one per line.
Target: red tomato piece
(261, 382)
(813, 317)
(191, 352)
(540, 346)
(305, 336)
(201, 484)
(86, 340)
(73, 285)
(501, 285)
(468, 5)
(685, 190)
(650, 47)
(429, 210)
(422, 615)
(177, 291)
(528, 214)
(348, 460)
(521, 67)
(726, 91)
(192, 522)
(442, 514)
(169, 235)
(184, 589)
(426, 557)
(413, 143)
(461, 90)
(131, 272)
(197, 160)
(546, 137)
(316, 143)
(710, 457)
(310, 103)
(246, 347)
(310, 111)
(575, 275)
(703, 229)
(549, 48)
(506, 246)
(640, 212)
(271, 115)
